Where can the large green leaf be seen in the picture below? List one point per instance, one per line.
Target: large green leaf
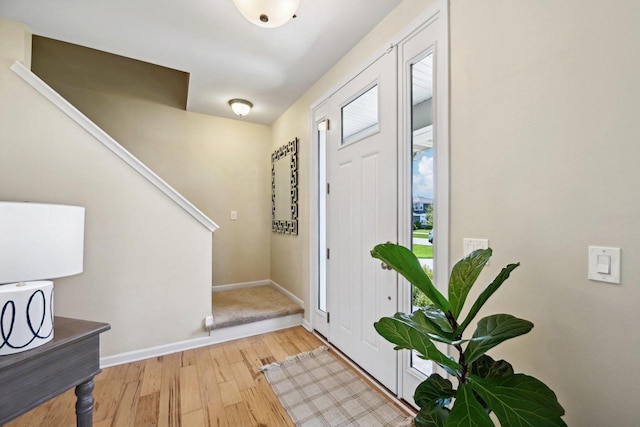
(411, 338)
(463, 276)
(438, 317)
(487, 368)
(520, 400)
(485, 295)
(491, 331)
(421, 322)
(405, 262)
(467, 411)
(432, 416)
(434, 390)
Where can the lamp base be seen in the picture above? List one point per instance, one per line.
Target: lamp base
(26, 316)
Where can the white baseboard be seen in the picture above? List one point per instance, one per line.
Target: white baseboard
(255, 328)
(216, 336)
(148, 353)
(228, 287)
(307, 325)
(291, 296)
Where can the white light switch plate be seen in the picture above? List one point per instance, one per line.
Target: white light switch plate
(601, 260)
(234, 215)
(470, 245)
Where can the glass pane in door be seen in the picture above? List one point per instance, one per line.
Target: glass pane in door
(360, 116)
(322, 209)
(422, 194)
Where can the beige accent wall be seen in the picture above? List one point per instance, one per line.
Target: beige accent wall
(544, 154)
(83, 67)
(544, 157)
(218, 164)
(290, 254)
(147, 266)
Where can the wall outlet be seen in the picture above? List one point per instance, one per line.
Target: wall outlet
(234, 215)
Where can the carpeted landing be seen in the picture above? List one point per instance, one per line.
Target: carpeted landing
(246, 305)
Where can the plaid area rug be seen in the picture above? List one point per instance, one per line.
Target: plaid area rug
(316, 389)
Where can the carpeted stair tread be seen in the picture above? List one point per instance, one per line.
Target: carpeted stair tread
(247, 305)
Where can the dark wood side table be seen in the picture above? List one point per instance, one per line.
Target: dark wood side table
(71, 359)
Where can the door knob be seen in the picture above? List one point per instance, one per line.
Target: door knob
(384, 266)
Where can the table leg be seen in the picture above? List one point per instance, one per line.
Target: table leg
(84, 404)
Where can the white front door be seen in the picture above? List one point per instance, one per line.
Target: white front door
(362, 212)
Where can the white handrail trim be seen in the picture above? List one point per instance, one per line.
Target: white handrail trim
(106, 140)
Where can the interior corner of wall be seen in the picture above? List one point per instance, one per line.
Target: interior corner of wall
(27, 47)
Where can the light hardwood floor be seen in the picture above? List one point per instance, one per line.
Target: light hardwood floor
(211, 386)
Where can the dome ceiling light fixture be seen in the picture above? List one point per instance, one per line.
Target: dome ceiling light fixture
(268, 13)
(240, 106)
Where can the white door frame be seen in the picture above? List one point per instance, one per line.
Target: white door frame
(318, 318)
(441, 11)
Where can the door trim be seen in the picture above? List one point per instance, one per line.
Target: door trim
(440, 49)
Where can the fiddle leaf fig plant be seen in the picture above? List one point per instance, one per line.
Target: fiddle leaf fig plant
(484, 385)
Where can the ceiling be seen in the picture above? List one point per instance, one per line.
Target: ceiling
(227, 56)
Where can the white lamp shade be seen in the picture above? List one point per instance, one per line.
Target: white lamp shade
(267, 13)
(40, 241)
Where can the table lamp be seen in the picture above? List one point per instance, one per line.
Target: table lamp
(38, 242)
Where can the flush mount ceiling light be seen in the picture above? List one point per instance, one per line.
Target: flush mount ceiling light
(240, 106)
(268, 13)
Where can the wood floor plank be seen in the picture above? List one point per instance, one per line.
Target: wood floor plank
(216, 386)
(242, 374)
(265, 410)
(232, 352)
(107, 394)
(251, 359)
(238, 415)
(274, 347)
(148, 410)
(118, 373)
(169, 411)
(221, 365)
(215, 417)
(135, 371)
(194, 419)
(152, 376)
(128, 405)
(213, 407)
(230, 393)
(190, 399)
(188, 358)
(263, 352)
(103, 423)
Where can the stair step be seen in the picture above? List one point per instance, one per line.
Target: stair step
(247, 305)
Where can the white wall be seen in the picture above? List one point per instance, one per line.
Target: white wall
(147, 268)
(544, 154)
(544, 141)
